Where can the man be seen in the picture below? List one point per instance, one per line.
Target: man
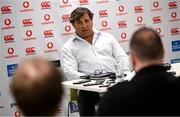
(149, 92)
(88, 50)
(36, 87)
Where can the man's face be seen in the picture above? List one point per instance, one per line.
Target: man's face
(83, 26)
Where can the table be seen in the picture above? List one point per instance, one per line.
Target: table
(95, 88)
(176, 67)
(69, 84)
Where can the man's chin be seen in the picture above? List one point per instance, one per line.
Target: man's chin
(86, 34)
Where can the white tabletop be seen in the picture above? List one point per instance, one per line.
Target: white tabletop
(69, 84)
(95, 88)
(176, 67)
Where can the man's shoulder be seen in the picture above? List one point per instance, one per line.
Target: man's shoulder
(69, 43)
(105, 34)
(120, 87)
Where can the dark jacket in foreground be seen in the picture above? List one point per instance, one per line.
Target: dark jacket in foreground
(149, 93)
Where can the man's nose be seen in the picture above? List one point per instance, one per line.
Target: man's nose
(84, 25)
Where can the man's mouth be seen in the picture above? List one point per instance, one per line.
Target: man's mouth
(85, 30)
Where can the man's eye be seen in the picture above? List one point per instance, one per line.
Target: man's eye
(78, 21)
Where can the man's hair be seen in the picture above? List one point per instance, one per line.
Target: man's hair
(36, 87)
(147, 44)
(79, 12)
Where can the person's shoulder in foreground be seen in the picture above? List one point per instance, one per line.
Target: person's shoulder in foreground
(36, 87)
(146, 94)
(150, 91)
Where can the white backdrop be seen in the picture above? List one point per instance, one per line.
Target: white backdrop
(41, 27)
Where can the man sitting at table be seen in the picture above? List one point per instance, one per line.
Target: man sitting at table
(87, 51)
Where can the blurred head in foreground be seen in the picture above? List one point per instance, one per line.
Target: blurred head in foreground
(36, 87)
(146, 48)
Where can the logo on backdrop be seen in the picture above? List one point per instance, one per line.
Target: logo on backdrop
(138, 9)
(7, 24)
(29, 35)
(172, 5)
(8, 38)
(102, 1)
(123, 37)
(103, 13)
(48, 33)
(6, 9)
(26, 7)
(83, 2)
(175, 31)
(175, 45)
(140, 21)
(50, 48)
(11, 69)
(47, 19)
(159, 31)
(65, 3)
(67, 30)
(156, 19)
(46, 5)
(104, 23)
(50, 45)
(105, 26)
(25, 4)
(156, 6)
(73, 107)
(11, 53)
(27, 22)
(121, 10)
(17, 114)
(175, 60)
(174, 17)
(122, 24)
(65, 17)
(30, 51)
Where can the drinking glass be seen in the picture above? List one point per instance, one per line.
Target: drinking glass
(122, 65)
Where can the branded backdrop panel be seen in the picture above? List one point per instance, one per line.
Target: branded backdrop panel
(41, 27)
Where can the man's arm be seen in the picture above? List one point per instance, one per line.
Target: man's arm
(117, 49)
(70, 64)
(120, 55)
